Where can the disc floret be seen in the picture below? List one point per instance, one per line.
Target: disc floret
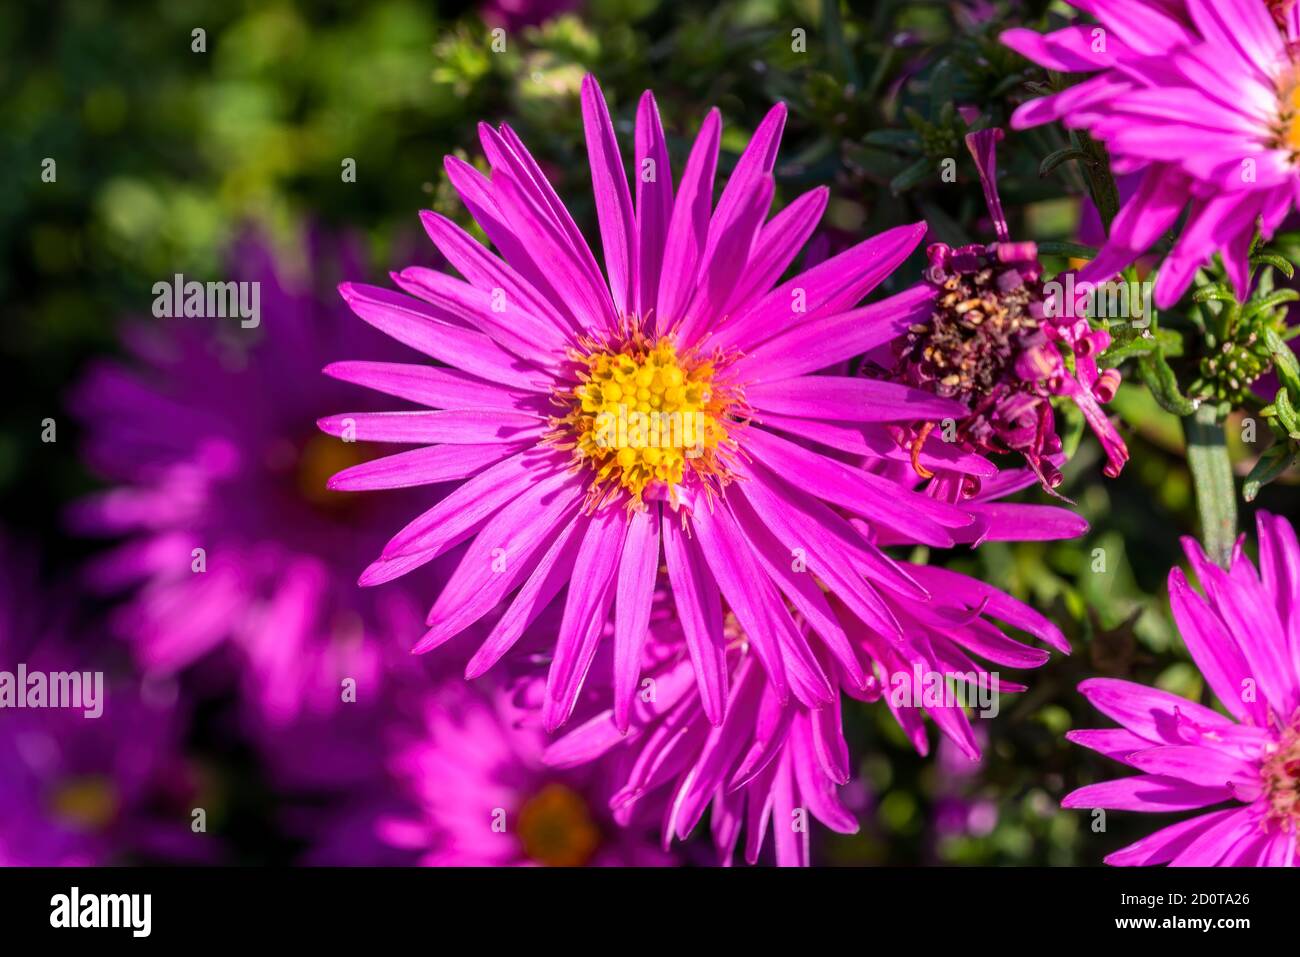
(646, 417)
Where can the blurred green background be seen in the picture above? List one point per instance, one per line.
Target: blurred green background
(163, 153)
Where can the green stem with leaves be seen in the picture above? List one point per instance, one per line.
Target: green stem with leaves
(1216, 495)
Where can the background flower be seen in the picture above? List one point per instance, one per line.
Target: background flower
(80, 790)
(479, 794)
(1242, 634)
(1200, 98)
(232, 541)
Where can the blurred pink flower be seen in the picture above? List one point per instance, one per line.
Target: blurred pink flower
(207, 436)
(77, 790)
(480, 795)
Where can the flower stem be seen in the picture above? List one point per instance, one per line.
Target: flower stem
(1102, 187)
(1216, 495)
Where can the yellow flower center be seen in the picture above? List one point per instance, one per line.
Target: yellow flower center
(309, 467)
(556, 828)
(86, 803)
(644, 416)
(1290, 115)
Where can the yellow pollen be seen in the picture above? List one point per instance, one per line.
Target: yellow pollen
(322, 457)
(1290, 110)
(87, 803)
(556, 828)
(643, 415)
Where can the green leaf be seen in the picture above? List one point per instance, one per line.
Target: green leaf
(1101, 183)
(913, 175)
(1120, 352)
(1160, 379)
(1138, 407)
(1288, 370)
(941, 81)
(898, 139)
(1284, 410)
(1271, 464)
(1268, 303)
(1053, 160)
(1212, 477)
(1274, 260)
(1214, 292)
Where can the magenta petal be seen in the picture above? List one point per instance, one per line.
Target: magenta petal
(421, 327)
(423, 466)
(1146, 793)
(815, 788)
(636, 580)
(688, 227)
(846, 399)
(1165, 844)
(427, 385)
(654, 201)
(822, 343)
(1213, 649)
(618, 228)
(757, 607)
(1200, 765)
(1151, 713)
(1070, 50)
(776, 246)
(831, 287)
(919, 517)
(536, 340)
(1116, 743)
(699, 608)
(1217, 841)
(549, 575)
(591, 591)
(467, 427)
(465, 510)
(798, 587)
(484, 269)
(499, 557)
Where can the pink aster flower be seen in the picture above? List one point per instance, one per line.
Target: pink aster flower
(479, 794)
(231, 544)
(668, 409)
(775, 761)
(1201, 98)
(1241, 771)
(993, 343)
(80, 789)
